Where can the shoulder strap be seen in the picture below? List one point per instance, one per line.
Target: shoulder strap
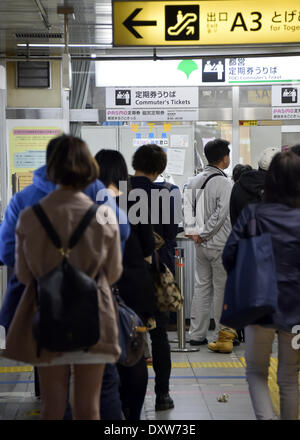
(82, 225)
(252, 228)
(203, 186)
(52, 234)
(47, 225)
(210, 177)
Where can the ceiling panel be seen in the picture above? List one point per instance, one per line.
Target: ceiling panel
(91, 24)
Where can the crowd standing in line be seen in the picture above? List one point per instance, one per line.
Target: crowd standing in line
(29, 196)
(135, 285)
(98, 254)
(118, 256)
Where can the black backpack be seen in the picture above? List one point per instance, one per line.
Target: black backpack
(67, 302)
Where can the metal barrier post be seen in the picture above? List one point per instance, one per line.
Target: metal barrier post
(179, 276)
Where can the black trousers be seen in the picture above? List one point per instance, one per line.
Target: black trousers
(133, 388)
(161, 354)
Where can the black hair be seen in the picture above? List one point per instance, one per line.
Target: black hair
(113, 168)
(52, 144)
(216, 150)
(240, 169)
(149, 159)
(296, 149)
(282, 183)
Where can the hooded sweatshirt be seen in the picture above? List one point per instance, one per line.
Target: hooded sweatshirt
(31, 195)
(248, 189)
(27, 197)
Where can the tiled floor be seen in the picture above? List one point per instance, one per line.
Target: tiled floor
(198, 379)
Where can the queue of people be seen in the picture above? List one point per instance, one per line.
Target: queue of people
(271, 195)
(115, 252)
(119, 250)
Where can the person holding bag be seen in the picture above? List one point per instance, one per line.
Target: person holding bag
(149, 161)
(279, 216)
(135, 285)
(96, 255)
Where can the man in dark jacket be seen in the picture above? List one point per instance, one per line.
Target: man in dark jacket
(250, 186)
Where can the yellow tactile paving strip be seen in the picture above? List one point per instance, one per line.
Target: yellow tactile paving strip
(216, 365)
(272, 380)
(18, 369)
(272, 383)
(206, 365)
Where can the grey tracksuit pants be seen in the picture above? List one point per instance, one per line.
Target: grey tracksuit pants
(210, 280)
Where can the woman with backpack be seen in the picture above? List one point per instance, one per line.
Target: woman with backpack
(85, 312)
(135, 286)
(278, 215)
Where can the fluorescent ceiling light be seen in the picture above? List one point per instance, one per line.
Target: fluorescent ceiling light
(62, 45)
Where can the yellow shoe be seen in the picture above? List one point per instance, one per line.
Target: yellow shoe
(224, 344)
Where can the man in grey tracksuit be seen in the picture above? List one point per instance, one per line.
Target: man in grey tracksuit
(207, 222)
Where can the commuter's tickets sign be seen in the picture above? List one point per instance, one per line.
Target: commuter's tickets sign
(182, 23)
(169, 74)
(152, 104)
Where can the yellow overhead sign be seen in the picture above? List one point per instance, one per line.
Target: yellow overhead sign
(176, 23)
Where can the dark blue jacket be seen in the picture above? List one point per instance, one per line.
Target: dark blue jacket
(27, 197)
(283, 223)
(166, 229)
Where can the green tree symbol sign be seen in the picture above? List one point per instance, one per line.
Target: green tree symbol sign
(187, 66)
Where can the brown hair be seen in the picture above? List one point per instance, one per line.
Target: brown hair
(282, 183)
(71, 163)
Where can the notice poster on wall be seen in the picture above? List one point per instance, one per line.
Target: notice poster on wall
(27, 152)
(179, 140)
(176, 161)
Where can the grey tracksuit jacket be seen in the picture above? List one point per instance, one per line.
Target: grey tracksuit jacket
(207, 214)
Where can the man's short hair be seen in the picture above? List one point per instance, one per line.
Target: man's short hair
(149, 159)
(216, 150)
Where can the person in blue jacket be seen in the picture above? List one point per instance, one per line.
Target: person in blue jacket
(30, 196)
(278, 215)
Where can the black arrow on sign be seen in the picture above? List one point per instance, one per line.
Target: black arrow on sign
(129, 23)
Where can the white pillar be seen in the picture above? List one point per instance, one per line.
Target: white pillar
(3, 165)
(235, 126)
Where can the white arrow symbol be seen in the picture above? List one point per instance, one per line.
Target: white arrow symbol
(190, 30)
